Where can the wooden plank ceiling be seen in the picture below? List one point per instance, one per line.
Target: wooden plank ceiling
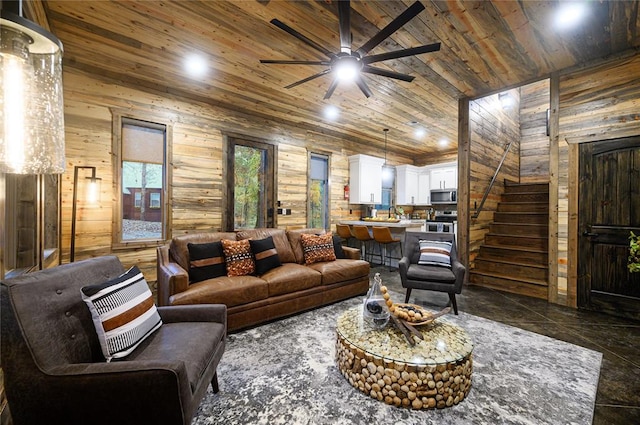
(486, 46)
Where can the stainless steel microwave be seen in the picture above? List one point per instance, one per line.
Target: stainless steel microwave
(446, 196)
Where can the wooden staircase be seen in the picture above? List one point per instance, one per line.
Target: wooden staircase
(514, 256)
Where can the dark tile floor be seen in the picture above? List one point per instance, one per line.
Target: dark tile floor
(618, 397)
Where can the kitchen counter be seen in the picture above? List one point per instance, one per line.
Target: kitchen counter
(402, 224)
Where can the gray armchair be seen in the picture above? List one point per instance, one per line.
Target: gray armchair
(431, 278)
(55, 371)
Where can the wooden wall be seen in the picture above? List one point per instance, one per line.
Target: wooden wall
(197, 185)
(491, 128)
(534, 141)
(601, 102)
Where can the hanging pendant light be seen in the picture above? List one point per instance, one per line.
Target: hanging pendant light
(31, 103)
(386, 171)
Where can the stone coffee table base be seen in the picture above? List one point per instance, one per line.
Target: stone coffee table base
(401, 384)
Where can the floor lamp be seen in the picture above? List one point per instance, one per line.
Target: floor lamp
(93, 194)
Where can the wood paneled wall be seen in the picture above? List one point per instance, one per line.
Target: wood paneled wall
(596, 103)
(534, 141)
(491, 128)
(197, 185)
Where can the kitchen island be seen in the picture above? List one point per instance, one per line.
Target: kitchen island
(397, 228)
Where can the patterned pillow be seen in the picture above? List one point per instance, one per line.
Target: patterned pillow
(237, 255)
(123, 312)
(435, 253)
(265, 254)
(317, 248)
(206, 261)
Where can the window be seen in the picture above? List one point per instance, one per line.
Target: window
(250, 184)
(154, 200)
(388, 177)
(142, 212)
(318, 191)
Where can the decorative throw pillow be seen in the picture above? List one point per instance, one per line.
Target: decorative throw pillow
(265, 254)
(123, 312)
(435, 253)
(237, 255)
(206, 261)
(337, 247)
(317, 248)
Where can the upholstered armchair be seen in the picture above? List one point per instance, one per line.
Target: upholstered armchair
(55, 371)
(430, 277)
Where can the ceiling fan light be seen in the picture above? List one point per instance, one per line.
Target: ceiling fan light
(346, 71)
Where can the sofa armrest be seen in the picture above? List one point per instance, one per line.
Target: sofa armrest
(194, 313)
(351, 253)
(172, 278)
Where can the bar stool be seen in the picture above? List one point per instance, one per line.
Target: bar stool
(344, 232)
(362, 234)
(382, 235)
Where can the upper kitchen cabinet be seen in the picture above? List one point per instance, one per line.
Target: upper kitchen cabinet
(444, 176)
(407, 185)
(365, 179)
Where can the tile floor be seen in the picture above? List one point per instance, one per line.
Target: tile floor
(618, 397)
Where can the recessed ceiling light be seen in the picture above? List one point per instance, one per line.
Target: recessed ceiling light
(196, 65)
(331, 112)
(443, 143)
(420, 132)
(570, 14)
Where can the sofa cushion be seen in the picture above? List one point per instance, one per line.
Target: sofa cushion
(280, 240)
(317, 248)
(228, 290)
(291, 277)
(341, 270)
(194, 343)
(206, 261)
(296, 244)
(180, 252)
(435, 253)
(123, 312)
(238, 257)
(265, 254)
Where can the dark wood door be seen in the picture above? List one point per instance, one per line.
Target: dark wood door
(609, 208)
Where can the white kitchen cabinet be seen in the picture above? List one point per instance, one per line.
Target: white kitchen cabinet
(444, 176)
(424, 188)
(365, 179)
(407, 185)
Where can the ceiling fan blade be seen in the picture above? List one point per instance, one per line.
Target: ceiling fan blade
(287, 62)
(401, 53)
(331, 89)
(363, 86)
(302, 38)
(385, 73)
(392, 27)
(344, 16)
(313, 77)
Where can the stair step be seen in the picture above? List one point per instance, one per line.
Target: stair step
(513, 253)
(526, 187)
(532, 288)
(520, 229)
(536, 207)
(520, 217)
(525, 197)
(521, 271)
(525, 241)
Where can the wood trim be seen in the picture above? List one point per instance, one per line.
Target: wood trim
(464, 167)
(554, 153)
(573, 230)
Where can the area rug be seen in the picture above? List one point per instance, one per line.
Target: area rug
(284, 373)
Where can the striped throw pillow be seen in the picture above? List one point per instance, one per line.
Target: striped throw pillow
(123, 312)
(435, 253)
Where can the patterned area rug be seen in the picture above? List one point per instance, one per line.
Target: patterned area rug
(284, 373)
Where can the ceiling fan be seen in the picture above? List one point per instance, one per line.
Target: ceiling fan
(356, 62)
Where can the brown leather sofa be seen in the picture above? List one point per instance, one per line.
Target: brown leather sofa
(290, 288)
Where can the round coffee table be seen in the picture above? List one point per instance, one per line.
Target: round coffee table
(433, 373)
